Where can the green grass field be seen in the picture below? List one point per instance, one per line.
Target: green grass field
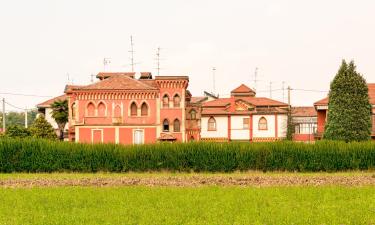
(184, 205)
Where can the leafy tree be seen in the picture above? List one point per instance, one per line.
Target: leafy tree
(349, 110)
(60, 113)
(42, 129)
(290, 126)
(17, 131)
(18, 118)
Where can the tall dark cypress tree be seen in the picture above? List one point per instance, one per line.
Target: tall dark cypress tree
(349, 109)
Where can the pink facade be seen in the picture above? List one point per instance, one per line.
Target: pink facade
(122, 109)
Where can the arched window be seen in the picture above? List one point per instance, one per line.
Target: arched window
(165, 101)
(90, 110)
(176, 101)
(211, 124)
(74, 108)
(193, 114)
(262, 124)
(101, 109)
(176, 125)
(166, 125)
(133, 109)
(144, 109)
(117, 112)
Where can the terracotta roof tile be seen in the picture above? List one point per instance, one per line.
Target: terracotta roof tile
(242, 89)
(304, 111)
(197, 99)
(119, 82)
(261, 101)
(214, 111)
(217, 102)
(48, 103)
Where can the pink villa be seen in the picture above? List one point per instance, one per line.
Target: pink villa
(122, 109)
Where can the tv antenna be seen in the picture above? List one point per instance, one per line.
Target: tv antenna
(158, 60)
(255, 78)
(92, 78)
(106, 62)
(132, 52)
(213, 79)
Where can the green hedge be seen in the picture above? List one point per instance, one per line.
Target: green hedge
(32, 155)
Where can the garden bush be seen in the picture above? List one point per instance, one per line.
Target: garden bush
(37, 155)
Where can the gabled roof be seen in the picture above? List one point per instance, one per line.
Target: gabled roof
(242, 89)
(262, 101)
(220, 102)
(194, 100)
(118, 82)
(302, 111)
(49, 102)
(256, 101)
(371, 94)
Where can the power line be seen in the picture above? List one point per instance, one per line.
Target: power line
(11, 105)
(27, 95)
(310, 90)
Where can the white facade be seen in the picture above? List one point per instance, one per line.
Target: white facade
(221, 127)
(269, 132)
(282, 125)
(238, 132)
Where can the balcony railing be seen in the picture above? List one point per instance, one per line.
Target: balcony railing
(116, 120)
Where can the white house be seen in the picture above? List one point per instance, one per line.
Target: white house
(243, 117)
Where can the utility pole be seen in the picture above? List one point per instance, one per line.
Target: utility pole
(26, 122)
(132, 53)
(3, 114)
(289, 97)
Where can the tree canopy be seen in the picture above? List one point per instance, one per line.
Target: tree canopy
(349, 109)
(42, 129)
(60, 113)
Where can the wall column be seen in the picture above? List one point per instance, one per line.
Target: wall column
(251, 128)
(276, 127)
(229, 128)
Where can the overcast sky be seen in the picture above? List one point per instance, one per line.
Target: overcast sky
(297, 41)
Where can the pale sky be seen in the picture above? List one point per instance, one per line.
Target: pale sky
(297, 41)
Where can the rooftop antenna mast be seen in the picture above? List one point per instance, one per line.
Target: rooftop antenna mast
(132, 52)
(92, 78)
(68, 77)
(213, 79)
(158, 60)
(106, 62)
(270, 89)
(255, 78)
(283, 87)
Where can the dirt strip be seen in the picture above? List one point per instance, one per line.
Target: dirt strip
(193, 181)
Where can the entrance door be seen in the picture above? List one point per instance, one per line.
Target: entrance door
(138, 137)
(97, 136)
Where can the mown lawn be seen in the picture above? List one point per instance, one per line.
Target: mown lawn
(188, 205)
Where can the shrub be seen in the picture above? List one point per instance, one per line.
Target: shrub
(42, 129)
(37, 155)
(16, 131)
